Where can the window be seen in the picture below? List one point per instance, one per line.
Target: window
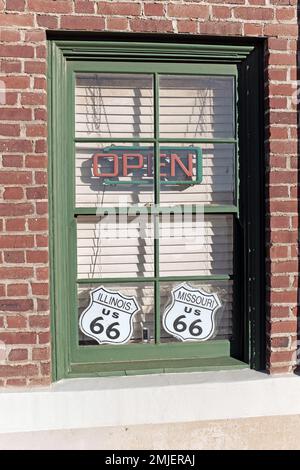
(152, 219)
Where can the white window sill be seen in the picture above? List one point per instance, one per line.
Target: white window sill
(150, 399)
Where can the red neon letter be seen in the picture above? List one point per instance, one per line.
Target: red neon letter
(162, 155)
(126, 165)
(175, 159)
(97, 156)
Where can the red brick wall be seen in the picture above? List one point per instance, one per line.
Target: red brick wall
(24, 289)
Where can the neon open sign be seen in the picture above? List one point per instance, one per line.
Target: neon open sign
(135, 165)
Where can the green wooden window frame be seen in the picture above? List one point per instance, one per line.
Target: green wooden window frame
(66, 58)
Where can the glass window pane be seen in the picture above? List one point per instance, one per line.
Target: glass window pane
(196, 245)
(196, 106)
(222, 317)
(197, 174)
(114, 174)
(113, 105)
(115, 246)
(140, 331)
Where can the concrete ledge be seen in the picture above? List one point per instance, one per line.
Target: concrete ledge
(149, 400)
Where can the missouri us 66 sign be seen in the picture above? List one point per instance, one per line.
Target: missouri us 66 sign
(108, 318)
(190, 317)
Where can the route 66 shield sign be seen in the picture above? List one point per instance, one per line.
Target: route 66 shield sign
(190, 317)
(108, 318)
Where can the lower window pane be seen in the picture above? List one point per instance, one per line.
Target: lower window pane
(115, 314)
(196, 311)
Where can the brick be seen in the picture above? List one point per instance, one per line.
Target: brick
(279, 282)
(283, 59)
(151, 25)
(16, 209)
(284, 267)
(119, 8)
(35, 36)
(15, 273)
(16, 241)
(42, 305)
(25, 370)
(29, 98)
(254, 14)
(42, 208)
(36, 130)
(253, 29)
(46, 6)
(281, 117)
(41, 177)
(45, 368)
(39, 192)
(15, 177)
(14, 257)
(221, 12)
(13, 193)
(283, 297)
(84, 7)
(280, 342)
(16, 51)
(40, 381)
(18, 355)
(2, 294)
(18, 337)
(35, 67)
(40, 146)
(40, 354)
(38, 225)
(15, 225)
(15, 114)
(117, 24)
(288, 326)
(281, 30)
(46, 21)
(43, 337)
(221, 28)
(278, 252)
(10, 129)
(187, 26)
(39, 321)
(36, 161)
(17, 290)
(42, 274)
(9, 35)
(15, 5)
(9, 66)
(16, 382)
(284, 236)
(82, 23)
(41, 241)
(16, 305)
(188, 11)
(286, 14)
(282, 356)
(40, 82)
(15, 145)
(16, 19)
(283, 206)
(40, 114)
(37, 256)
(39, 288)
(154, 9)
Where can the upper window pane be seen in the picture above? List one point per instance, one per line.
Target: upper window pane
(196, 106)
(113, 105)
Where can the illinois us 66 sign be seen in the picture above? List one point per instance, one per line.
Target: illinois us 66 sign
(108, 318)
(190, 317)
